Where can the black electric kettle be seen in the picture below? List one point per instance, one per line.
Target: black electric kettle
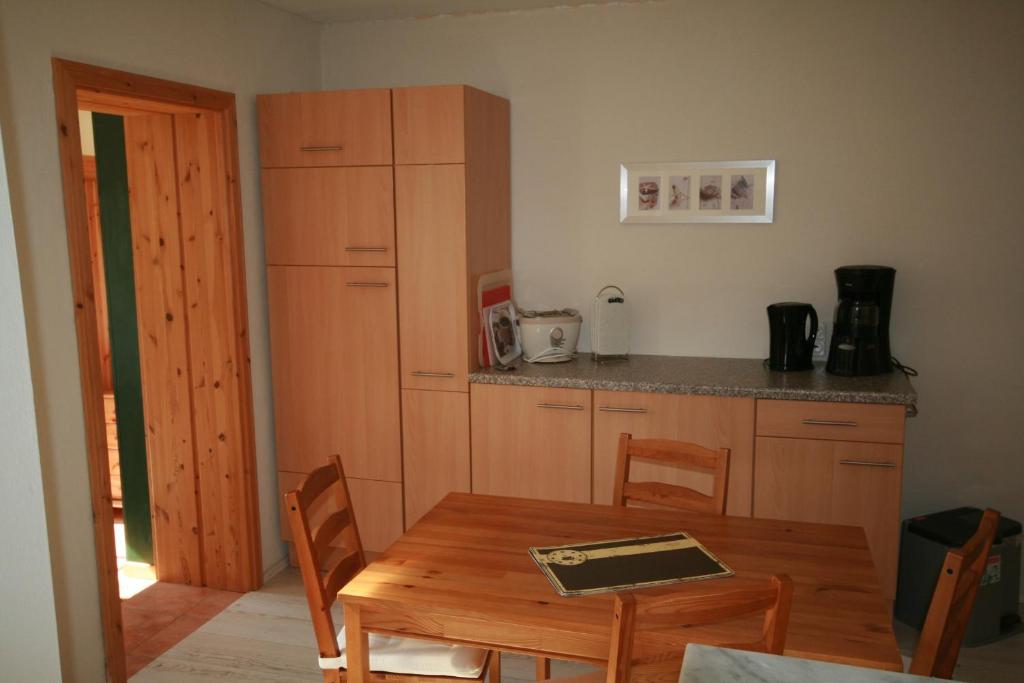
(792, 340)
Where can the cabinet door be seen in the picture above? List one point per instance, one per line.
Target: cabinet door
(709, 421)
(435, 448)
(835, 482)
(377, 505)
(430, 125)
(431, 225)
(329, 216)
(531, 442)
(866, 486)
(341, 128)
(334, 349)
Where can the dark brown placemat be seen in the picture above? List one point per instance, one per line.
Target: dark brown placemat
(627, 564)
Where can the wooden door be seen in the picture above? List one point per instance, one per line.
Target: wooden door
(435, 431)
(329, 216)
(709, 421)
(430, 125)
(334, 350)
(340, 128)
(430, 204)
(531, 442)
(836, 482)
(163, 346)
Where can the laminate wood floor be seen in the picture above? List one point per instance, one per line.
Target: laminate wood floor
(266, 636)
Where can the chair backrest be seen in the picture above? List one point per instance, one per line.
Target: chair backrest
(944, 627)
(677, 454)
(668, 612)
(314, 548)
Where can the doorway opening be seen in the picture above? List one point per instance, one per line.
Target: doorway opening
(156, 251)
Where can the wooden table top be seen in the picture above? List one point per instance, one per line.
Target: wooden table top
(463, 573)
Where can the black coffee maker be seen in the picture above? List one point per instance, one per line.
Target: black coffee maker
(860, 334)
(791, 341)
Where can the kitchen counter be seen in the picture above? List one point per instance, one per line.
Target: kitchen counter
(708, 664)
(705, 377)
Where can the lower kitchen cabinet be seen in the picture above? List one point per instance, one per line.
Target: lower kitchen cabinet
(531, 442)
(709, 421)
(435, 436)
(377, 504)
(837, 482)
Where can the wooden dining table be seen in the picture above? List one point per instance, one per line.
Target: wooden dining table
(463, 574)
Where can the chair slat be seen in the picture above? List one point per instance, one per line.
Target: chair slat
(347, 567)
(677, 454)
(327, 532)
(659, 493)
(318, 481)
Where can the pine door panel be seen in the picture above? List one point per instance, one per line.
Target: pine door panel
(435, 428)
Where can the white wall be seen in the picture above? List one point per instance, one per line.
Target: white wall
(235, 45)
(897, 127)
(28, 629)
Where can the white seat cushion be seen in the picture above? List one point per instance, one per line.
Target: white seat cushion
(410, 656)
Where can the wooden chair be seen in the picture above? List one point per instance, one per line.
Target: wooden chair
(668, 612)
(315, 548)
(950, 611)
(678, 454)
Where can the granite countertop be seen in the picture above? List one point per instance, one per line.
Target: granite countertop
(705, 377)
(707, 664)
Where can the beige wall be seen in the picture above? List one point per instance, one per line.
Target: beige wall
(243, 47)
(28, 627)
(897, 127)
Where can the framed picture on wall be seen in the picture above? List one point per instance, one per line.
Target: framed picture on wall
(697, 192)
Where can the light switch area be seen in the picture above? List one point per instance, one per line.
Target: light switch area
(821, 342)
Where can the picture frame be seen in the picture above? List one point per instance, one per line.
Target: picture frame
(502, 332)
(697, 192)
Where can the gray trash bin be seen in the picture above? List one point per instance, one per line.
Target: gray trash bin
(923, 545)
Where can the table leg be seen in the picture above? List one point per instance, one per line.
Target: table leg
(543, 668)
(357, 646)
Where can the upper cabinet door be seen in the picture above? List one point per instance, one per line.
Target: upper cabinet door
(329, 216)
(433, 303)
(333, 349)
(430, 125)
(342, 128)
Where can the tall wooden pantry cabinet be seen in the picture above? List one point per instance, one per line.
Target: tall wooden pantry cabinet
(381, 209)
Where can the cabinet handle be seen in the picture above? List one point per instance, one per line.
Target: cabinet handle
(868, 463)
(612, 409)
(322, 148)
(366, 284)
(366, 249)
(422, 373)
(559, 406)
(829, 423)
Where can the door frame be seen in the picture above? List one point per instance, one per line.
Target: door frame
(97, 88)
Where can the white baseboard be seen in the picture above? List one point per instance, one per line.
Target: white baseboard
(275, 569)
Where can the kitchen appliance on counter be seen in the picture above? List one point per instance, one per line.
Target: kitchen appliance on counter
(609, 324)
(549, 336)
(791, 341)
(860, 331)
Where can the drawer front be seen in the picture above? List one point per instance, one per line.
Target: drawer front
(709, 421)
(831, 421)
(341, 128)
(377, 504)
(329, 216)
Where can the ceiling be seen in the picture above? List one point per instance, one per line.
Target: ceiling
(331, 11)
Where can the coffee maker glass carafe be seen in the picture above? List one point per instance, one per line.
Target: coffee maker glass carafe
(860, 335)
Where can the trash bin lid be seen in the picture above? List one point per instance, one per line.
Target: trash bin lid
(955, 527)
